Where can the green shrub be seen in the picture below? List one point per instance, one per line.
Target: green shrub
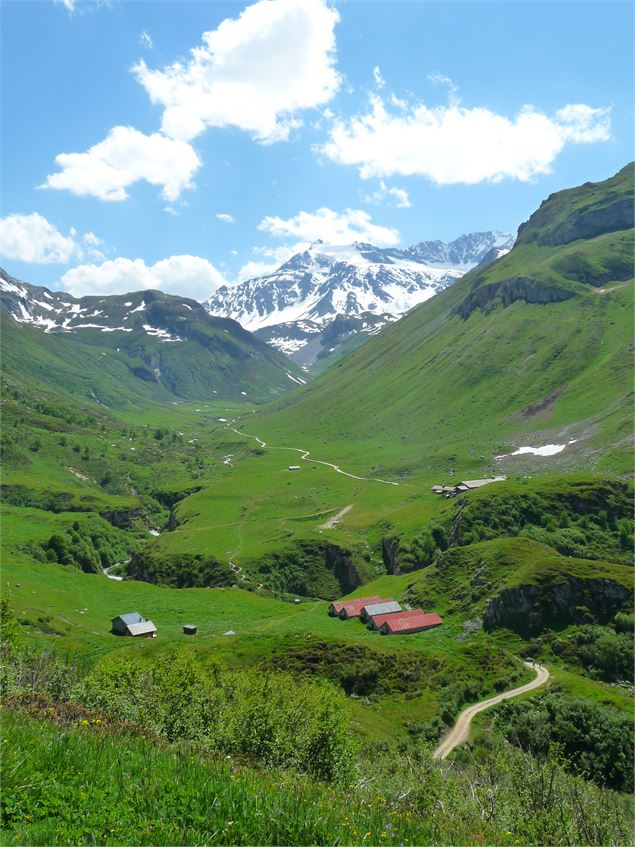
(596, 739)
(268, 717)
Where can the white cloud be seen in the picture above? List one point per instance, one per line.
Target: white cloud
(393, 195)
(92, 240)
(124, 157)
(226, 218)
(82, 6)
(189, 276)
(380, 82)
(332, 227)
(255, 72)
(34, 240)
(451, 144)
(441, 79)
(146, 39)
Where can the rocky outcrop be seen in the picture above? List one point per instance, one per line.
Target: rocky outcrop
(507, 292)
(312, 569)
(390, 553)
(124, 518)
(585, 223)
(530, 609)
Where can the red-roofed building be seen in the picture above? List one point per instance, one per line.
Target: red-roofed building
(404, 623)
(376, 621)
(357, 605)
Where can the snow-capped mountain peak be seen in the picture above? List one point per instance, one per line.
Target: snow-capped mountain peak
(369, 285)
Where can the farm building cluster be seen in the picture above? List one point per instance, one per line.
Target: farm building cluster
(465, 485)
(385, 615)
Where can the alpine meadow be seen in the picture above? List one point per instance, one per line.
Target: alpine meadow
(316, 359)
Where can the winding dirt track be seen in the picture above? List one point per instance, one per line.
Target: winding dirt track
(461, 730)
(304, 454)
(333, 522)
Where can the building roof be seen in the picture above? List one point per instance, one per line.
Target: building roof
(477, 483)
(376, 621)
(338, 605)
(130, 617)
(417, 619)
(383, 608)
(141, 628)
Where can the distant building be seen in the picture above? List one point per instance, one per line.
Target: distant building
(406, 623)
(464, 485)
(189, 629)
(133, 624)
(469, 484)
(385, 607)
(294, 467)
(351, 608)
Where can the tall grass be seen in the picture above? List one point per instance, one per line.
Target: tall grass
(74, 780)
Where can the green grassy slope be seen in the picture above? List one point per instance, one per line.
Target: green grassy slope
(532, 349)
(213, 357)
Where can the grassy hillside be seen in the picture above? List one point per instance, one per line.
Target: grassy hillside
(170, 794)
(532, 349)
(146, 346)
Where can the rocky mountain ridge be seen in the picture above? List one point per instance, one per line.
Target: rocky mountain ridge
(359, 287)
(170, 344)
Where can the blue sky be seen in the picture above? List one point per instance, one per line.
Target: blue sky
(390, 122)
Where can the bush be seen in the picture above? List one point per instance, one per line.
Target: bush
(269, 717)
(596, 739)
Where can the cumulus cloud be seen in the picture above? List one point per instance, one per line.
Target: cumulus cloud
(189, 276)
(34, 240)
(255, 72)
(225, 218)
(332, 227)
(452, 144)
(389, 194)
(146, 39)
(124, 157)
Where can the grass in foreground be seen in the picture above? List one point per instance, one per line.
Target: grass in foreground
(87, 782)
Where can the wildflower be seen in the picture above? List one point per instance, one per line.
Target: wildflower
(84, 722)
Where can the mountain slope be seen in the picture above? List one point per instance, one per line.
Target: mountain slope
(142, 344)
(530, 350)
(360, 286)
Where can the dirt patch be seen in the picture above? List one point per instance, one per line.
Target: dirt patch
(539, 406)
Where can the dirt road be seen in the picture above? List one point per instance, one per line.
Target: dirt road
(304, 454)
(333, 522)
(461, 730)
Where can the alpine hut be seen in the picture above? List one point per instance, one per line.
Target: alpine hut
(406, 623)
(384, 607)
(470, 484)
(133, 624)
(335, 609)
(376, 621)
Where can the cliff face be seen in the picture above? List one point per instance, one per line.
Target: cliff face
(507, 292)
(584, 212)
(583, 223)
(529, 609)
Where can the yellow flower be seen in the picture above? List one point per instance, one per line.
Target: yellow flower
(84, 722)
